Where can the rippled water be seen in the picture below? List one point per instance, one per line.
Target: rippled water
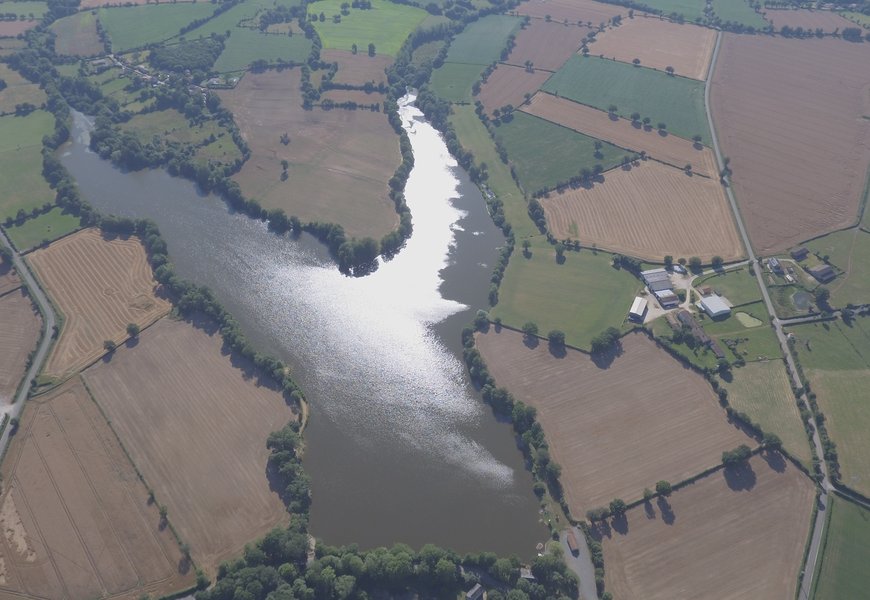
(399, 446)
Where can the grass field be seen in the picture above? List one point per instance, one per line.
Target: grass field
(691, 10)
(9, 279)
(18, 90)
(204, 449)
(582, 297)
(359, 68)
(454, 81)
(856, 17)
(730, 535)
(842, 571)
(738, 285)
(136, 26)
(76, 517)
(247, 45)
(545, 154)
(547, 44)
(850, 252)
(386, 25)
(482, 41)
(24, 9)
(753, 343)
(676, 101)
(100, 286)
(171, 125)
(19, 332)
(46, 227)
(738, 11)
(763, 391)
(571, 11)
(21, 162)
(77, 35)
(612, 433)
(833, 345)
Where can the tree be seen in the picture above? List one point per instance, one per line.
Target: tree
(822, 296)
(739, 455)
(647, 494)
(109, 346)
(663, 488)
(662, 126)
(530, 329)
(695, 264)
(612, 109)
(669, 70)
(669, 261)
(353, 49)
(560, 252)
(132, 330)
(163, 512)
(771, 441)
(527, 248)
(556, 338)
(636, 62)
(635, 117)
(371, 49)
(716, 261)
(697, 138)
(617, 507)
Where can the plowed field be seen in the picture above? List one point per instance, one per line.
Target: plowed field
(100, 286)
(670, 149)
(659, 44)
(788, 113)
(358, 69)
(728, 536)
(828, 21)
(75, 516)
(195, 424)
(584, 11)
(509, 85)
(547, 44)
(649, 211)
(19, 332)
(618, 425)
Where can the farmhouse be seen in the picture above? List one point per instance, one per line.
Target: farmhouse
(799, 253)
(715, 306)
(823, 273)
(638, 309)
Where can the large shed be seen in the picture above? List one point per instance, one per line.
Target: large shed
(638, 309)
(715, 306)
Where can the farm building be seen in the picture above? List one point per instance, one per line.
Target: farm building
(716, 349)
(654, 275)
(660, 286)
(774, 265)
(823, 273)
(799, 253)
(638, 309)
(572, 542)
(475, 593)
(667, 298)
(715, 306)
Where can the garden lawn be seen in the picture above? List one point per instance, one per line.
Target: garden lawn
(386, 25)
(546, 154)
(581, 297)
(482, 41)
(676, 101)
(842, 570)
(23, 187)
(136, 26)
(46, 227)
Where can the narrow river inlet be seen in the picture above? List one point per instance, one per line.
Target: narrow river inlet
(399, 448)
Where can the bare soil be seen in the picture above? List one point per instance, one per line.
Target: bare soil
(615, 424)
(14, 28)
(358, 69)
(19, 333)
(789, 114)
(75, 517)
(509, 85)
(648, 211)
(659, 44)
(826, 20)
(731, 535)
(195, 421)
(547, 45)
(100, 285)
(584, 11)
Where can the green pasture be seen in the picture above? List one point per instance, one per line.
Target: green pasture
(858, 18)
(545, 154)
(24, 10)
(482, 41)
(582, 297)
(738, 285)
(17, 91)
(23, 187)
(18, 133)
(136, 26)
(676, 101)
(247, 45)
(386, 25)
(842, 570)
(738, 11)
(172, 125)
(849, 251)
(474, 137)
(692, 10)
(753, 343)
(45, 227)
(834, 345)
(454, 81)
(240, 16)
(77, 35)
(427, 51)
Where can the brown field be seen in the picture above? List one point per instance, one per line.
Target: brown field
(509, 85)
(358, 96)
(670, 148)
(100, 286)
(727, 536)
(659, 44)
(196, 426)
(827, 20)
(19, 333)
(547, 45)
(8, 279)
(788, 114)
(614, 427)
(649, 211)
(340, 160)
(77, 35)
(13, 28)
(585, 11)
(18, 90)
(358, 69)
(75, 516)
(97, 3)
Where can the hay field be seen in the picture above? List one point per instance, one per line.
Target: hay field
(18, 90)
(826, 20)
(727, 536)
(77, 35)
(100, 286)
(340, 160)
(615, 425)
(195, 423)
(137, 26)
(24, 187)
(387, 25)
(19, 333)
(649, 211)
(482, 41)
(572, 11)
(509, 85)
(75, 516)
(769, 96)
(547, 44)
(842, 571)
(670, 149)
(659, 44)
(358, 69)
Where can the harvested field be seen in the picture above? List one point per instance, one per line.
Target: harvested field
(75, 516)
(14, 28)
(649, 211)
(340, 160)
(659, 44)
(509, 85)
(77, 35)
(204, 448)
(612, 432)
(19, 333)
(358, 96)
(670, 149)
(547, 44)
(358, 69)
(100, 286)
(573, 11)
(770, 96)
(730, 536)
(18, 90)
(826, 20)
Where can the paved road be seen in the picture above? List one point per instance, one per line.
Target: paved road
(819, 528)
(580, 564)
(42, 350)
